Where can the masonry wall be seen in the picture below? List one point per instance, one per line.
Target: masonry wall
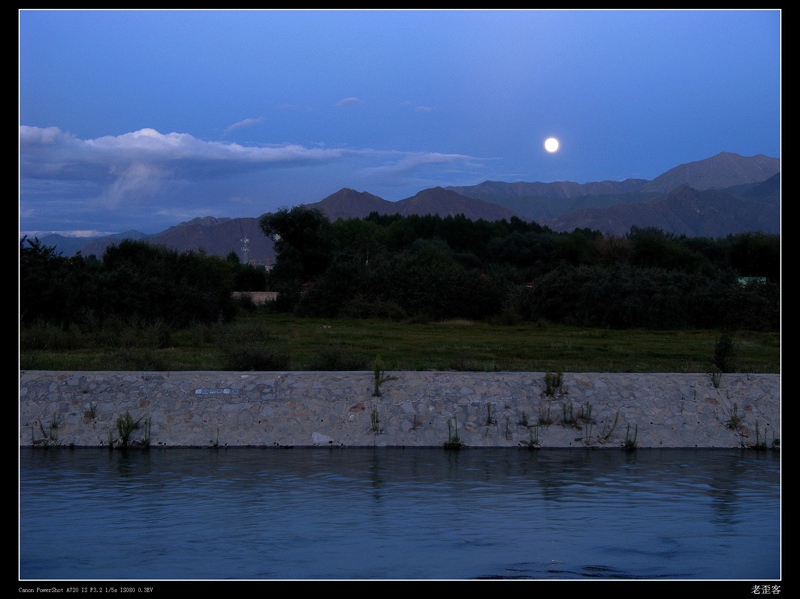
(204, 409)
(259, 297)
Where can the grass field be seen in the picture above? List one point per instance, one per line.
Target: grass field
(263, 341)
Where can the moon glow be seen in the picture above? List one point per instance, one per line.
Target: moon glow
(551, 144)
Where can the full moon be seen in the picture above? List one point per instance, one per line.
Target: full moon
(551, 144)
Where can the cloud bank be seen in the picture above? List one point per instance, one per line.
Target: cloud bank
(146, 166)
(53, 154)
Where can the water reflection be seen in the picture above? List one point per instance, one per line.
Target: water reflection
(399, 513)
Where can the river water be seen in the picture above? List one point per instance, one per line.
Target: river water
(393, 513)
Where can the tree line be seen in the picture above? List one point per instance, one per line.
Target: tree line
(134, 282)
(423, 268)
(432, 267)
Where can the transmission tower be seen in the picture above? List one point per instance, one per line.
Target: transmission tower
(245, 249)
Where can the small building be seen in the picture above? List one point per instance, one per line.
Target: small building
(745, 281)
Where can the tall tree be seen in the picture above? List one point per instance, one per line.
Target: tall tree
(303, 243)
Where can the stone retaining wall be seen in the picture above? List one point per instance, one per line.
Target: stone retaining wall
(423, 409)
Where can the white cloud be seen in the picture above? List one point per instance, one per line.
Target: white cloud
(135, 180)
(138, 166)
(419, 170)
(244, 123)
(348, 101)
(53, 154)
(418, 107)
(413, 161)
(142, 159)
(73, 233)
(144, 174)
(39, 135)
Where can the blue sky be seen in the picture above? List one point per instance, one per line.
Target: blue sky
(145, 119)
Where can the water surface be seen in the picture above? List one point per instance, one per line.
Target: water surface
(391, 513)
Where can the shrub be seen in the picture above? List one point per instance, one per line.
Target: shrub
(49, 336)
(725, 352)
(361, 306)
(254, 356)
(126, 426)
(157, 335)
(201, 333)
(337, 357)
(245, 332)
(245, 303)
(139, 358)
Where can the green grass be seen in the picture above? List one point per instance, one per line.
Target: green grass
(450, 345)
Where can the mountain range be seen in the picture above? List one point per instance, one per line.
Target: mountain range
(722, 195)
(348, 203)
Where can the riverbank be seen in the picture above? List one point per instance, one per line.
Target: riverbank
(414, 409)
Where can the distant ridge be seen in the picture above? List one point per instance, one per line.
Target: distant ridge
(726, 169)
(88, 246)
(347, 203)
(722, 195)
(497, 190)
(718, 172)
(215, 236)
(219, 237)
(684, 210)
(561, 203)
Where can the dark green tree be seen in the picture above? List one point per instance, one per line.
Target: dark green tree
(756, 255)
(52, 288)
(151, 282)
(303, 240)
